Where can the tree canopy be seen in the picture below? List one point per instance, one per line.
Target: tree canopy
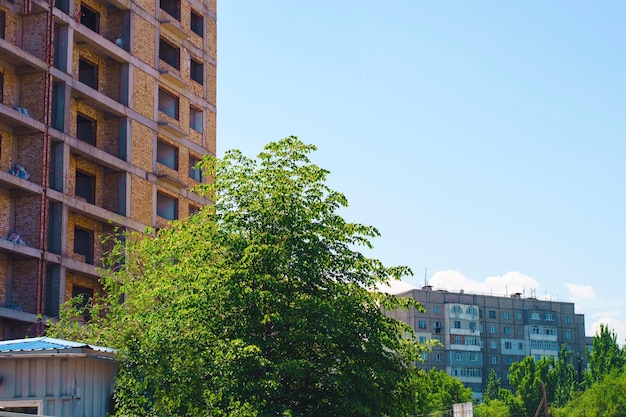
(260, 305)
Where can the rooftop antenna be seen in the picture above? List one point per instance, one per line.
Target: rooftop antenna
(425, 276)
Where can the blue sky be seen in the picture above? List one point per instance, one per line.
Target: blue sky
(484, 139)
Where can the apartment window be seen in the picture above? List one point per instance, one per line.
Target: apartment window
(535, 329)
(473, 357)
(457, 309)
(535, 316)
(168, 104)
(167, 207)
(472, 310)
(422, 339)
(508, 345)
(494, 360)
(169, 53)
(438, 356)
(86, 129)
(421, 324)
(457, 324)
(520, 346)
(459, 356)
(458, 340)
(549, 330)
(195, 119)
(89, 18)
(83, 244)
(437, 326)
(2, 23)
(197, 71)
(472, 325)
(507, 330)
(197, 23)
(196, 174)
(549, 316)
(518, 316)
(437, 310)
(85, 186)
(509, 360)
(568, 320)
(83, 297)
(492, 314)
(506, 315)
(88, 73)
(171, 7)
(167, 155)
(520, 331)
(424, 356)
(493, 344)
(492, 329)
(193, 210)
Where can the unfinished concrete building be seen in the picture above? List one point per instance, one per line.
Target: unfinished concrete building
(105, 107)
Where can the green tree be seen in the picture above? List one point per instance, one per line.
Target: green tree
(563, 377)
(260, 305)
(605, 357)
(526, 377)
(436, 392)
(493, 387)
(605, 398)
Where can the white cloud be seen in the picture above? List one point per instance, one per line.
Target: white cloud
(612, 321)
(580, 292)
(395, 287)
(504, 285)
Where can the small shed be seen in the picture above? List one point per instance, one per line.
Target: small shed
(55, 377)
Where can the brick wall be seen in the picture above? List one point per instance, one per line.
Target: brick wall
(35, 27)
(143, 93)
(5, 205)
(27, 219)
(6, 150)
(144, 45)
(3, 287)
(142, 146)
(30, 155)
(25, 284)
(141, 202)
(32, 94)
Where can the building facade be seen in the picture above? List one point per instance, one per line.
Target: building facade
(105, 107)
(479, 333)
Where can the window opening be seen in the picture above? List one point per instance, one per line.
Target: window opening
(197, 71)
(168, 104)
(86, 129)
(2, 23)
(1, 87)
(167, 155)
(197, 24)
(90, 18)
(167, 207)
(171, 7)
(83, 244)
(194, 173)
(169, 53)
(85, 186)
(88, 73)
(195, 119)
(83, 296)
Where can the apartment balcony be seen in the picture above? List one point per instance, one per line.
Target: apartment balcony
(19, 121)
(23, 61)
(18, 185)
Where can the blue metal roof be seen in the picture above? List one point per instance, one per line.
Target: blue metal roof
(45, 344)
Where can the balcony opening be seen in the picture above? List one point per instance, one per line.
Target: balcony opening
(90, 18)
(85, 186)
(55, 227)
(88, 73)
(1, 87)
(83, 297)
(169, 53)
(59, 51)
(195, 119)
(194, 173)
(197, 71)
(63, 5)
(86, 129)
(167, 207)
(171, 7)
(168, 104)
(83, 244)
(58, 106)
(2, 23)
(167, 155)
(53, 287)
(197, 24)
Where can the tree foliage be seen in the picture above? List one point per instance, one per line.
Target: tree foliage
(605, 357)
(436, 392)
(605, 398)
(260, 305)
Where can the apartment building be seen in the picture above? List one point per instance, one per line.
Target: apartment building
(483, 332)
(105, 107)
